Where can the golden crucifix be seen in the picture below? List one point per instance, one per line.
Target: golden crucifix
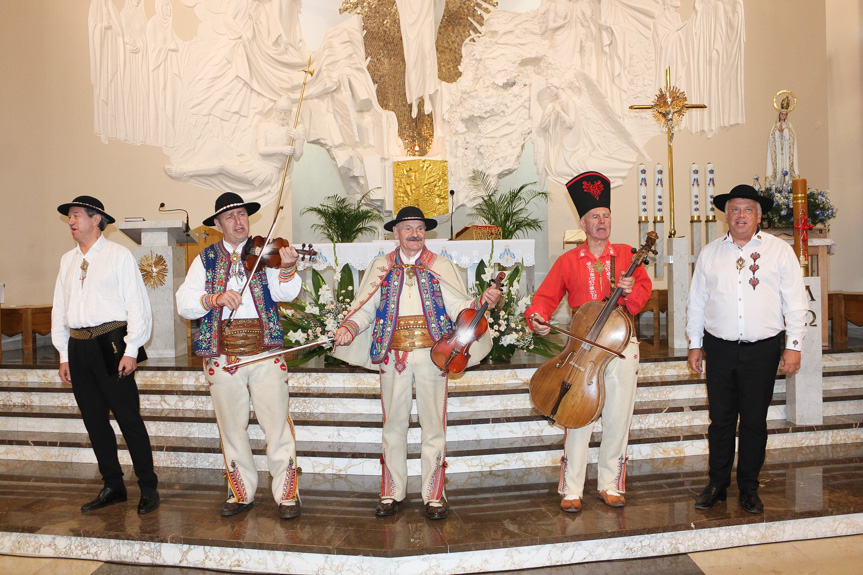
(668, 107)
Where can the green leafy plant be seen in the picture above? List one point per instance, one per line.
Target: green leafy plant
(343, 220)
(507, 210)
(506, 322)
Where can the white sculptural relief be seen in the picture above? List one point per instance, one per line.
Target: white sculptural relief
(211, 102)
(563, 75)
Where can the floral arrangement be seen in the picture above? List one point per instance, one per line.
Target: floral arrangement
(506, 322)
(316, 315)
(818, 205)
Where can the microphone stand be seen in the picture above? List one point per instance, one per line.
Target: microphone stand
(186, 228)
(451, 212)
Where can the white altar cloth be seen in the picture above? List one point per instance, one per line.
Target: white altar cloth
(466, 254)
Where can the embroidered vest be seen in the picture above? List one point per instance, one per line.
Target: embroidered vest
(437, 319)
(217, 263)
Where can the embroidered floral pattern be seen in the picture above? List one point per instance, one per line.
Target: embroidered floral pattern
(289, 490)
(620, 483)
(434, 492)
(593, 188)
(388, 486)
(754, 281)
(235, 482)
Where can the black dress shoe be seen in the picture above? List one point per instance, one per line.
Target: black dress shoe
(436, 511)
(108, 496)
(231, 508)
(750, 502)
(149, 501)
(387, 508)
(710, 496)
(290, 511)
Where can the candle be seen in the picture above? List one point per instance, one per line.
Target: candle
(710, 190)
(658, 187)
(694, 193)
(642, 193)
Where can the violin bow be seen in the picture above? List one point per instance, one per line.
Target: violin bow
(307, 71)
(579, 338)
(276, 353)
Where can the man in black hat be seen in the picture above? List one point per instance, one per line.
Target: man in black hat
(590, 273)
(409, 299)
(100, 322)
(210, 293)
(746, 303)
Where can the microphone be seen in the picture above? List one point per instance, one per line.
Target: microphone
(186, 227)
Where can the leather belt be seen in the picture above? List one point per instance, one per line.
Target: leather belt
(244, 337)
(96, 331)
(411, 332)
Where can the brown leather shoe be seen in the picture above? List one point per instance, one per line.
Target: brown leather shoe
(231, 508)
(290, 510)
(436, 511)
(611, 499)
(571, 505)
(387, 507)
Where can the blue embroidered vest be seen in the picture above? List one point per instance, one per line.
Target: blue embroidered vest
(437, 319)
(217, 264)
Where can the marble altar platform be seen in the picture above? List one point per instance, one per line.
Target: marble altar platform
(501, 482)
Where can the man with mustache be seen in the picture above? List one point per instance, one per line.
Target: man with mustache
(211, 292)
(100, 321)
(747, 302)
(409, 299)
(590, 273)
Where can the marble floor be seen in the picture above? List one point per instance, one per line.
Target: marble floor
(489, 511)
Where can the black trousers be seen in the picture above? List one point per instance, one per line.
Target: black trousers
(740, 380)
(97, 394)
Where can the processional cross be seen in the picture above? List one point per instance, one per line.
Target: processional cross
(669, 107)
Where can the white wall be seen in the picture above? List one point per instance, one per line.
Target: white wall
(48, 153)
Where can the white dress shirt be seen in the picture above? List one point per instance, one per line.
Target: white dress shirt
(111, 289)
(736, 301)
(189, 295)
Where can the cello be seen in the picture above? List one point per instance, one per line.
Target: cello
(569, 389)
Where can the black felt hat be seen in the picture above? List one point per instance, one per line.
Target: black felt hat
(589, 190)
(230, 201)
(746, 192)
(410, 213)
(88, 202)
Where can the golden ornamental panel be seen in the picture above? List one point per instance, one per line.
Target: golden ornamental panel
(421, 183)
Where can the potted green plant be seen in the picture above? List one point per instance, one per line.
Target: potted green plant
(507, 210)
(344, 220)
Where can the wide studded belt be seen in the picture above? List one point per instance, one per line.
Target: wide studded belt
(244, 337)
(411, 333)
(94, 332)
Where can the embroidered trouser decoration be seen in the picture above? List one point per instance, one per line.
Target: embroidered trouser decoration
(435, 487)
(401, 360)
(388, 486)
(235, 483)
(620, 484)
(289, 493)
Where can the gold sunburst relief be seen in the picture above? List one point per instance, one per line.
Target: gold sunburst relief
(154, 270)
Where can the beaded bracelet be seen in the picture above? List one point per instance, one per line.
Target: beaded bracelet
(208, 301)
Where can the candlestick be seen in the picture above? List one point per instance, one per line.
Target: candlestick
(658, 189)
(642, 193)
(694, 193)
(801, 223)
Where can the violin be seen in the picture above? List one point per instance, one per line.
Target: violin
(569, 389)
(450, 353)
(254, 250)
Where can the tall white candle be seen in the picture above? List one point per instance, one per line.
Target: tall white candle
(658, 187)
(695, 192)
(642, 193)
(710, 190)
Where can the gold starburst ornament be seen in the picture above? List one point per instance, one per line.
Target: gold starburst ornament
(154, 270)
